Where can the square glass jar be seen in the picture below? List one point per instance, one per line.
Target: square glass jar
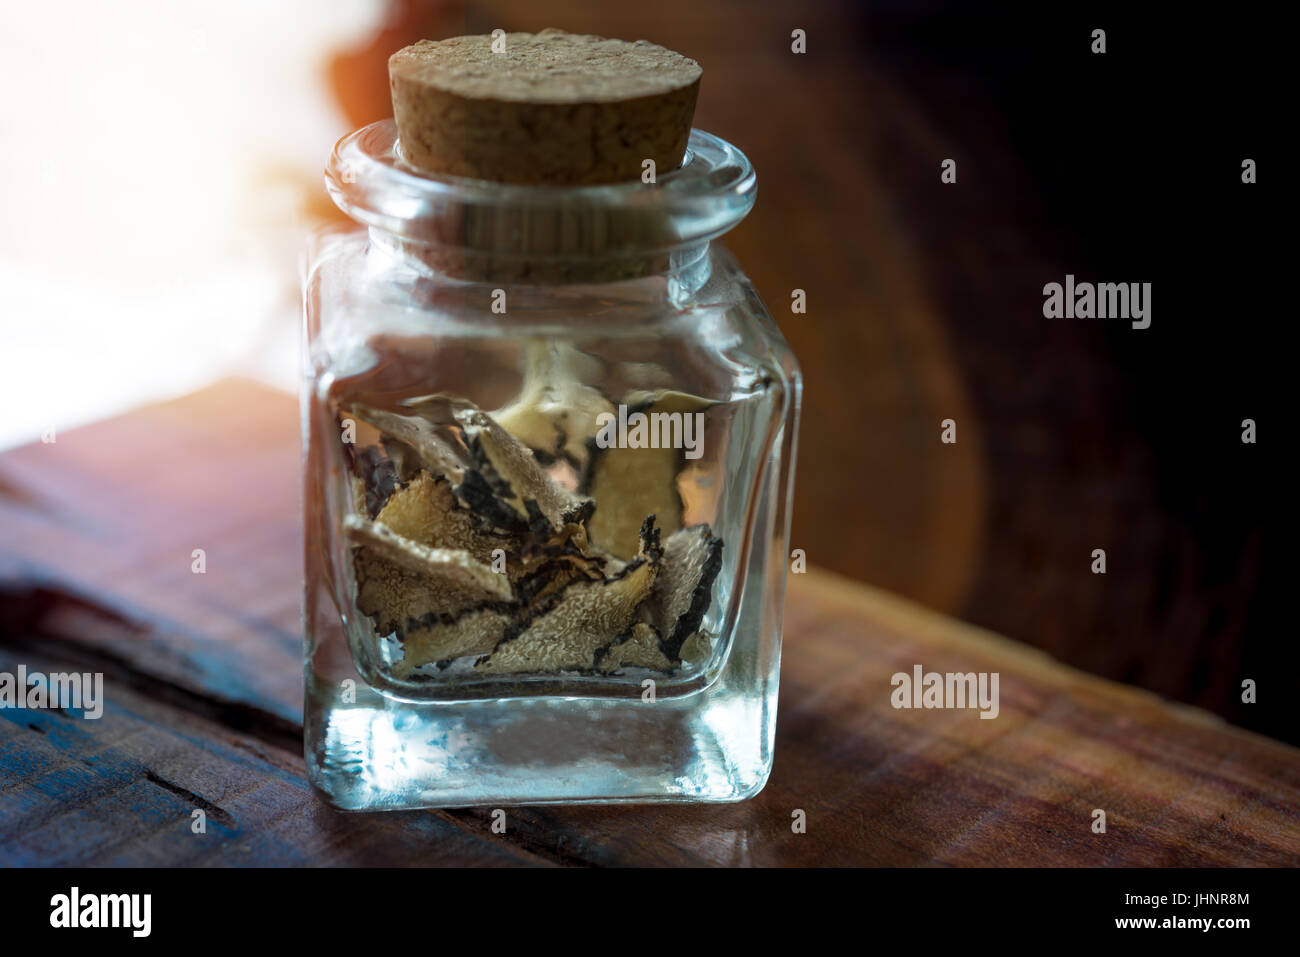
(549, 438)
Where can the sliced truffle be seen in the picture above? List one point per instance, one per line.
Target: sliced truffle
(513, 474)
(627, 484)
(439, 453)
(667, 400)
(427, 512)
(357, 490)
(399, 580)
(473, 633)
(692, 558)
(488, 501)
(406, 460)
(555, 413)
(378, 477)
(491, 472)
(557, 562)
(639, 648)
(581, 619)
(434, 505)
(696, 650)
(577, 626)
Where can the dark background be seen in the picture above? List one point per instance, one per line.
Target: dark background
(925, 303)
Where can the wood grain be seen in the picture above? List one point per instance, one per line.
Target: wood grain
(122, 791)
(203, 678)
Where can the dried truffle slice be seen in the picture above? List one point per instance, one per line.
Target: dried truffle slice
(357, 488)
(555, 413)
(667, 400)
(406, 460)
(513, 474)
(580, 623)
(427, 512)
(491, 471)
(487, 499)
(378, 477)
(569, 543)
(440, 454)
(639, 648)
(650, 546)
(557, 562)
(473, 633)
(553, 576)
(696, 650)
(399, 580)
(627, 484)
(692, 558)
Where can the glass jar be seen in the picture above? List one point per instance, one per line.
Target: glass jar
(549, 445)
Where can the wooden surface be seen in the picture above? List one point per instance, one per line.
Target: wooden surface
(203, 673)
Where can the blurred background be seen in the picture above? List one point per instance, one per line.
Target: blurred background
(162, 163)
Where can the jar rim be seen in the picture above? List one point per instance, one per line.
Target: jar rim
(706, 196)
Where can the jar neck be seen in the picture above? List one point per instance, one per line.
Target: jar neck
(683, 270)
(514, 235)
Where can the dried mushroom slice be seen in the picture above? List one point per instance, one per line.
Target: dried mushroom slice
(426, 511)
(570, 539)
(569, 543)
(399, 580)
(554, 576)
(406, 461)
(667, 400)
(512, 474)
(378, 479)
(496, 477)
(473, 633)
(692, 558)
(488, 503)
(437, 452)
(582, 618)
(580, 622)
(627, 484)
(357, 490)
(696, 650)
(639, 648)
(555, 413)
(557, 562)
(439, 406)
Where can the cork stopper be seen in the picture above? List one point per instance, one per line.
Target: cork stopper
(549, 108)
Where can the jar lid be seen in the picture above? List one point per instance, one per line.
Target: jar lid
(551, 108)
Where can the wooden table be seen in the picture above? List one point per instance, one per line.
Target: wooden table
(203, 688)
